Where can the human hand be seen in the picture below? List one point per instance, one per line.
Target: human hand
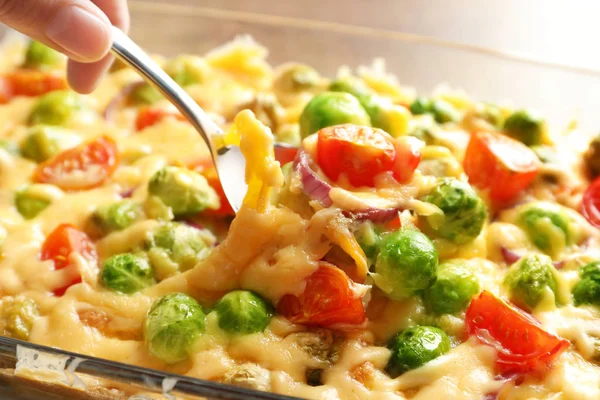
(78, 28)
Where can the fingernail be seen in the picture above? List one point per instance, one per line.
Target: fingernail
(80, 33)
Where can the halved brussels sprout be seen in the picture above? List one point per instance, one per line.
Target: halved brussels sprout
(56, 108)
(547, 225)
(186, 69)
(415, 347)
(243, 312)
(332, 108)
(526, 127)
(453, 289)
(441, 110)
(44, 142)
(296, 78)
(17, 315)
(529, 278)
(116, 216)
(30, 201)
(587, 290)
(40, 56)
(126, 273)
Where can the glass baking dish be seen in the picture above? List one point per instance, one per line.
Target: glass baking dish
(561, 92)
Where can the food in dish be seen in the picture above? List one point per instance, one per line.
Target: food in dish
(410, 247)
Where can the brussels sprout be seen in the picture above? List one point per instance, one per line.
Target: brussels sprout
(393, 119)
(464, 212)
(185, 191)
(40, 56)
(592, 157)
(249, 376)
(144, 94)
(407, 263)
(547, 225)
(332, 108)
(154, 208)
(368, 238)
(451, 293)
(116, 216)
(350, 84)
(44, 142)
(528, 279)
(424, 128)
(483, 117)
(176, 247)
(441, 110)
(186, 70)
(587, 290)
(17, 315)
(243, 312)
(296, 78)
(173, 324)
(30, 201)
(415, 347)
(526, 127)
(126, 273)
(56, 108)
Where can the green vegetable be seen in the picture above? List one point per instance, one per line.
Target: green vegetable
(186, 70)
(144, 94)
(296, 78)
(243, 312)
(173, 324)
(526, 127)
(116, 216)
(10, 147)
(587, 290)
(40, 56)
(464, 213)
(56, 108)
(453, 290)
(332, 108)
(185, 191)
(353, 85)
(368, 238)
(289, 134)
(30, 201)
(415, 347)
(126, 273)
(547, 225)
(44, 142)
(482, 117)
(406, 264)
(392, 118)
(441, 110)
(529, 278)
(174, 247)
(17, 315)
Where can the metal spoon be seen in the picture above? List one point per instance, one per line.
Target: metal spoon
(229, 161)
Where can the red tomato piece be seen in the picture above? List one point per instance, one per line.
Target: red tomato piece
(522, 344)
(285, 154)
(149, 116)
(83, 167)
(408, 157)
(360, 152)
(501, 164)
(590, 204)
(327, 300)
(31, 83)
(60, 243)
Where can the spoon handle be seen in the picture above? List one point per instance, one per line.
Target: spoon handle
(127, 51)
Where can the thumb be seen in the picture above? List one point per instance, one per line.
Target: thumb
(76, 28)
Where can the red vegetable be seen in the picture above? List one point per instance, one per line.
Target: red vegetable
(522, 344)
(29, 82)
(327, 300)
(376, 215)
(314, 187)
(503, 165)
(590, 204)
(83, 167)
(149, 116)
(60, 243)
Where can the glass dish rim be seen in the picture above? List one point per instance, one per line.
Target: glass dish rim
(255, 18)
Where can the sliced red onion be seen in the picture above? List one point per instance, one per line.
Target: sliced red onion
(510, 257)
(119, 100)
(127, 193)
(376, 215)
(314, 187)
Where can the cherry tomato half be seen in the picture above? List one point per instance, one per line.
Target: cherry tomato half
(83, 167)
(522, 344)
(60, 243)
(149, 116)
(29, 82)
(327, 300)
(360, 152)
(590, 204)
(503, 165)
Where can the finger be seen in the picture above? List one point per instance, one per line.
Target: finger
(84, 78)
(77, 28)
